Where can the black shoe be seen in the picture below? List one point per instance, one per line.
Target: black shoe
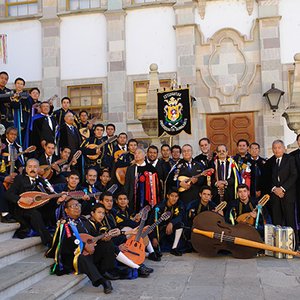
(143, 272)
(8, 219)
(111, 276)
(107, 286)
(154, 257)
(176, 252)
(158, 253)
(149, 270)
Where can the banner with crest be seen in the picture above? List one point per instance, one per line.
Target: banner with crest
(174, 113)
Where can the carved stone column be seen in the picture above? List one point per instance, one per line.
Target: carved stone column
(149, 117)
(292, 113)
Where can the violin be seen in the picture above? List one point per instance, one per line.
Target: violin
(213, 222)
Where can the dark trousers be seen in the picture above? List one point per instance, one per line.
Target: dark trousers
(283, 213)
(100, 262)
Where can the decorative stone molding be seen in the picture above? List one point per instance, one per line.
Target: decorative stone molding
(225, 67)
(202, 7)
(292, 113)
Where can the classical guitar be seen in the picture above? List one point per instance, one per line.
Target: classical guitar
(164, 217)
(121, 173)
(188, 180)
(88, 239)
(35, 199)
(246, 217)
(46, 171)
(96, 147)
(66, 168)
(13, 157)
(135, 248)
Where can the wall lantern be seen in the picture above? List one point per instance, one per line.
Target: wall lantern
(273, 97)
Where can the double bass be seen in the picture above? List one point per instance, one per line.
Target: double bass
(211, 234)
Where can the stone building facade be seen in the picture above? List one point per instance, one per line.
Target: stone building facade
(228, 51)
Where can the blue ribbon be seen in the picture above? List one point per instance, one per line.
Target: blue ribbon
(259, 212)
(75, 231)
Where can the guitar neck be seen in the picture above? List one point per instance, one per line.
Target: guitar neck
(97, 238)
(139, 233)
(151, 228)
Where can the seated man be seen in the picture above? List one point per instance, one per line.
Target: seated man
(97, 216)
(245, 204)
(203, 203)
(35, 218)
(69, 247)
(71, 185)
(169, 232)
(110, 222)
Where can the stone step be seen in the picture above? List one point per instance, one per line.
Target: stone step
(14, 250)
(22, 274)
(7, 230)
(53, 287)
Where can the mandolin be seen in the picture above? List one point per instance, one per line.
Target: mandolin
(96, 147)
(246, 217)
(135, 247)
(188, 180)
(88, 239)
(85, 131)
(35, 199)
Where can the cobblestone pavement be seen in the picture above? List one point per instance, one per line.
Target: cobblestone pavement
(194, 277)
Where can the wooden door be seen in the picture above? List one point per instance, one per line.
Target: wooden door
(229, 128)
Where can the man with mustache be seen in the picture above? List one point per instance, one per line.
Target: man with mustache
(35, 218)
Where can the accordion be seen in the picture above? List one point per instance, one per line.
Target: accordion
(279, 236)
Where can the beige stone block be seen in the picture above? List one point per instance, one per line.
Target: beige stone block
(271, 65)
(51, 72)
(185, 50)
(269, 32)
(187, 60)
(270, 54)
(117, 66)
(271, 43)
(115, 56)
(116, 45)
(51, 31)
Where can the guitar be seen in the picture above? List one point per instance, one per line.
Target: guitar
(76, 155)
(246, 217)
(46, 171)
(135, 248)
(14, 96)
(188, 180)
(96, 147)
(35, 199)
(121, 173)
(164, 217)
(13, 157)
(88, 239)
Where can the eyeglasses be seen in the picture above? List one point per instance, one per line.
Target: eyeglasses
(77, 205)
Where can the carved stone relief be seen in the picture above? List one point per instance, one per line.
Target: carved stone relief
(227, 67)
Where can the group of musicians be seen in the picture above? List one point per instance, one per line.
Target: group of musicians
(105, 185)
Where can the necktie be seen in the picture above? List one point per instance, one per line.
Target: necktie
(72, 129)
(50, 122)
(222, 169)
(277, 168)
(48, 160)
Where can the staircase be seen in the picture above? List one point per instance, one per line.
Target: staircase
(24, 271)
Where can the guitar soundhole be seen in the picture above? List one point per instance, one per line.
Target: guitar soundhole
(38, 198)
(135, 244)
(89, 241)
